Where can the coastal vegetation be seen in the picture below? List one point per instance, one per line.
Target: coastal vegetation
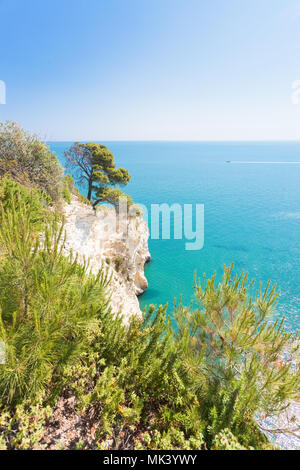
(27, 160)
(204, 377)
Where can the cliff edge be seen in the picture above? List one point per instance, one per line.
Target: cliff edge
(122, 247)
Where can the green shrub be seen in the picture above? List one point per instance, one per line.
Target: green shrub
(25, 159)
(235, 354)
(14, 196)
(50, 305)
(196, 381)
(23, 428)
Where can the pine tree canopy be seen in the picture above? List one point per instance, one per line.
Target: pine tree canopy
(94, 166)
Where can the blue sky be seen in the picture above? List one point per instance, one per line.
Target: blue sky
(151, 69)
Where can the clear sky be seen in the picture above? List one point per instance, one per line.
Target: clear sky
(151, 69)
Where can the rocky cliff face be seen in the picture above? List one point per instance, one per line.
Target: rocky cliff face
(122, 247)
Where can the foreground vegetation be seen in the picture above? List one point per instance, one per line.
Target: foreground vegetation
(76, 377)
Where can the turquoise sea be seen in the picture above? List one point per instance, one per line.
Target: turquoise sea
(252, 212)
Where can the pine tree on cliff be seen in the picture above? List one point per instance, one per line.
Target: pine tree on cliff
(94, 165)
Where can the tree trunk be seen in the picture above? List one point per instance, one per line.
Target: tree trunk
(96, 202)
(89, 196)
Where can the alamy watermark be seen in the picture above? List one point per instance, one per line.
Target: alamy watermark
(166, 222)
(295, 97)
(188, 223)
(2, 92)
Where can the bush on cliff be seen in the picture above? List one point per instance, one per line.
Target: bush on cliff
(244, 365)
(25, 159)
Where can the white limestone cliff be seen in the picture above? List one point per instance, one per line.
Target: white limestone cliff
(122, 247)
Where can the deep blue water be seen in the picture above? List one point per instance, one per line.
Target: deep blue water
(252, 212)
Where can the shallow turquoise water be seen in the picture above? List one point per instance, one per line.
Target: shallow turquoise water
(252, 212)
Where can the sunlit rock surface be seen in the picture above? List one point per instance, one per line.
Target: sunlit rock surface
(120, 246)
